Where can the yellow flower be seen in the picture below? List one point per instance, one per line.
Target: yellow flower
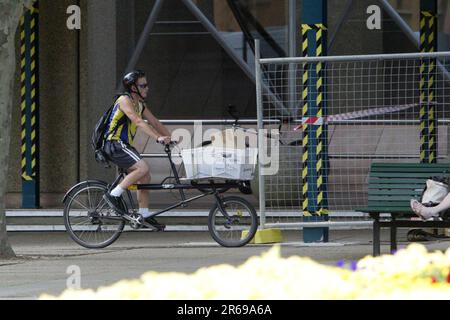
(405, 275)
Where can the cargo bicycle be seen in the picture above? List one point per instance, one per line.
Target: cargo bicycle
(93, 224)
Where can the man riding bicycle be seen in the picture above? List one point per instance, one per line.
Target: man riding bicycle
(119, 142)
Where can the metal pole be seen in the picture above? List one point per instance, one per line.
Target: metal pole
(428, 43)
(143, 38)
(29, 51)
(259, 110)
(340, 23)
(215, 34)
(292, 30)
(242, 23)
(428, 122)
(292, 36)
(368, 57)
(314, 34)
(238, 60)
(400, 22)
(248, 16)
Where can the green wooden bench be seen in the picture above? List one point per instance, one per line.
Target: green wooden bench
(391, 186)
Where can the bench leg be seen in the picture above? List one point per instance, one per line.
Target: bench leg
(376, 238)
(393, 238)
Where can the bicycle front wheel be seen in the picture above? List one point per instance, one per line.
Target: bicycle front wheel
(89, 220)
(237, 226)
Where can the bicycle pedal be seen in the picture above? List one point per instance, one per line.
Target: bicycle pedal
(149, 226)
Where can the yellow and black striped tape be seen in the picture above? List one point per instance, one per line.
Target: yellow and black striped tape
(29, 91)
(316, 26)
(424, 147)
(320, 128)
(431, 108)
(428, 137)
(319, 29)
(305, 156)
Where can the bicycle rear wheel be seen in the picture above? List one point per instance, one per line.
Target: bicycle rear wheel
(238, 228)
(89, 220)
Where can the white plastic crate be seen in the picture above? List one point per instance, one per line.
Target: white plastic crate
(215, 162)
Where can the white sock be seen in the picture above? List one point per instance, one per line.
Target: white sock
(144, 212)
(117, 191)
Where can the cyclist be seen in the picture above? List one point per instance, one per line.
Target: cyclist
(119, 143)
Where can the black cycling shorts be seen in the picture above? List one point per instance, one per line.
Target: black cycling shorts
(122, 154)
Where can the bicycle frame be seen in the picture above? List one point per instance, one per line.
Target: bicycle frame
(214, 188)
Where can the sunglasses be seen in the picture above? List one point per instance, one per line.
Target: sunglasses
(143, 86)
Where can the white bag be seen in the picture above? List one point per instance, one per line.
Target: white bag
(434, 192)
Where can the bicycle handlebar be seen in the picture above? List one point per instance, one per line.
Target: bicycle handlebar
(171, 143)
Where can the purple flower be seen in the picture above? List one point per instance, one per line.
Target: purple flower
(340, 264)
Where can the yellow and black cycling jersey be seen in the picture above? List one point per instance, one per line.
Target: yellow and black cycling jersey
(126, 131)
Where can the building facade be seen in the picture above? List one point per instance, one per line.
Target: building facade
(191, 74)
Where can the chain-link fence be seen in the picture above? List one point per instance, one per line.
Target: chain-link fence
(336, 116)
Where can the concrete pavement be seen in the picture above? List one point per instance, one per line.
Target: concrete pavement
(45, 258)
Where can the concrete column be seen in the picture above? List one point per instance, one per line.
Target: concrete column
(98, 77)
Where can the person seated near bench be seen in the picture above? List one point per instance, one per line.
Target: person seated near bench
(427, 213)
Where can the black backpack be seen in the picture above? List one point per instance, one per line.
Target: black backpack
(99, 134)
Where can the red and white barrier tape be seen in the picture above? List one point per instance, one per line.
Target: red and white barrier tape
(317, 121)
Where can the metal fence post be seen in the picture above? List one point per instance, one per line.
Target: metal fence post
(259, 110)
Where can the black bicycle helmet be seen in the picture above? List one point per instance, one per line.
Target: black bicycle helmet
(131, 78)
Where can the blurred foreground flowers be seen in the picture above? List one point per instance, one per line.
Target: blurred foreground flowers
(412, 273)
